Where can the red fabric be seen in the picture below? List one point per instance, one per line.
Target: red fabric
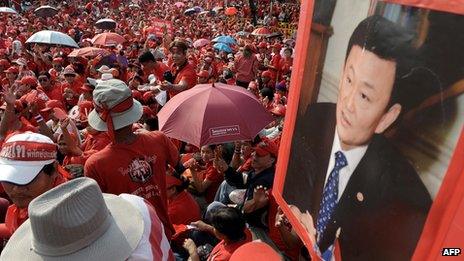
(274, 232)
(187, 74)
(223, 251)
(35, 96)
(158, 71)
(246, 68)
(55, 93)
(15, 216)
(138, 168)
(216, 179)
(275, 62)
(183, 209)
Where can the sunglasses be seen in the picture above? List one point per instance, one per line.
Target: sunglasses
(43, 79)
(69, 75)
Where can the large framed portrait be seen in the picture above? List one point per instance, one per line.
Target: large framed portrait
(370, 165)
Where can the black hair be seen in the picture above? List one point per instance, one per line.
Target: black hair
(49, 169)
(266, 92)
(152, 123)
(45, 73)
(185, 184)
(229, 222)
(146, 57)
(391, 42)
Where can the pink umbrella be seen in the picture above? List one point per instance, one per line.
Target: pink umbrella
(200, 43)
(108, 39)
(213, 114)
(179, 4)
(88, 52)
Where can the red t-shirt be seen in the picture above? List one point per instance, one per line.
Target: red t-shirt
(223, 251)
(158, 71)
(55, 93)
(188, 74)
(138, 168)
(216, 179)
(183, 209)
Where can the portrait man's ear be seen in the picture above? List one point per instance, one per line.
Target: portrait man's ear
(388, 118)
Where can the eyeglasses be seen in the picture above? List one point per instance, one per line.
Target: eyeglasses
(43, 79)
(70, 75)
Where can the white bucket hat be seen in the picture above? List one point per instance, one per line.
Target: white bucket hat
(75, 221)
(24, 155)
(114, 105)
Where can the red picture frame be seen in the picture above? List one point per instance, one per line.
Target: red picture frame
(445, 221)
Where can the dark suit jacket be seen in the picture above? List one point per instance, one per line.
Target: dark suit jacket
(386, 224)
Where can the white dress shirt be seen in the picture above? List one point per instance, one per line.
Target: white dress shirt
(353, 157)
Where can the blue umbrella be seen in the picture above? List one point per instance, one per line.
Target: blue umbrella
(224, 39)
(222, 47)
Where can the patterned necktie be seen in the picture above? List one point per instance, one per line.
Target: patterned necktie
(330, 195)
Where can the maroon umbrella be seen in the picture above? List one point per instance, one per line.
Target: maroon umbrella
(213, 114)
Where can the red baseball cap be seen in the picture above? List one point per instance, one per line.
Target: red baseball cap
(262, 45)
(255, 250)
(51, 104)
(266, 147)
(266, 74)
(12, 69)
(203, 74)
(29, 80)
(277, 46)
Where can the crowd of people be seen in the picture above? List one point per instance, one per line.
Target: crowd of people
(74, 127)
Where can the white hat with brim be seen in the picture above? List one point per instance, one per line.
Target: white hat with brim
(120, 120)
(112, 92)
(117, 242)
(20, 172)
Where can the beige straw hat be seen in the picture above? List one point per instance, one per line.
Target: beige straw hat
(75, 221)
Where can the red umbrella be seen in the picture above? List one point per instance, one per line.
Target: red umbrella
(231, 11)
(213, 114)
(261, 31)
(88, 52)
(108, 39)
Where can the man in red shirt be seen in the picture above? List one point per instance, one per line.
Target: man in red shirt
(184, 75)
(151, 66)
(50, 88)
(133, 163)
(28, 168)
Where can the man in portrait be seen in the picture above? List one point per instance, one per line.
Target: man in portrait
(343, 171)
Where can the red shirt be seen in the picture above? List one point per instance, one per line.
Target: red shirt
(223, 251)
(187, 74)
(55, 93)
(138, 168)
(215, 178)
(159, 70)
(183, 209)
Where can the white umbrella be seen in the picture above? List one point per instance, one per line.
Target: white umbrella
(7, 10)
(52, 37)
